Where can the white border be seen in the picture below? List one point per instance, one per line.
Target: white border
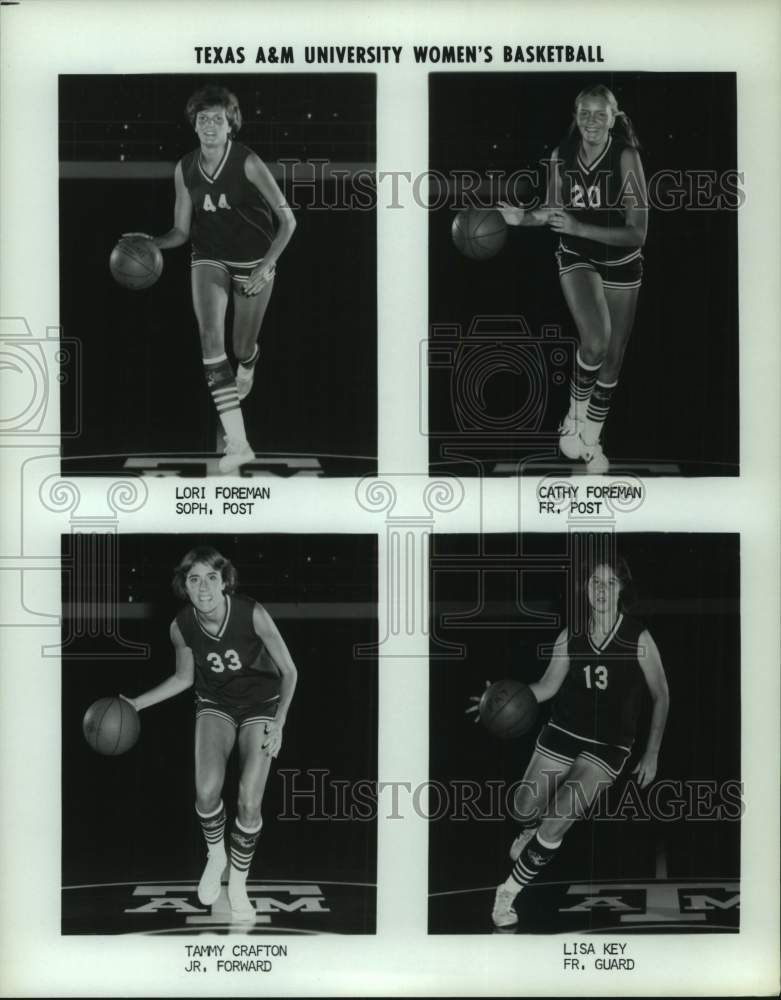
(42, 38)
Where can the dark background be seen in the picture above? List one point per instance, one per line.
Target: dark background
(142, 388)
(131, 817)
(688, 598)
(677, 399)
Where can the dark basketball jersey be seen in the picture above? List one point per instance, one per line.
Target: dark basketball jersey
(593, 195)
(231, 220)
(233, 667)
(601, 694)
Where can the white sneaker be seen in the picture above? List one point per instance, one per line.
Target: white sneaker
(596, 461)
(244, 379)
(211, 880)
(241, 905)
(237, 453)
(570, 443)
(521, 841)
(503, 914)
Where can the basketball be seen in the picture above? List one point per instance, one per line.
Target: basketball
(111, 726)
(136, 262)
(479, 233)
(508, 709)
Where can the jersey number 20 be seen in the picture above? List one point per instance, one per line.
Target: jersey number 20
(231, 658)
(588, 198)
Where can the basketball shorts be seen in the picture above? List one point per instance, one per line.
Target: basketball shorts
(564, 747)
(626, 274)
(239, 271)
(237, 715)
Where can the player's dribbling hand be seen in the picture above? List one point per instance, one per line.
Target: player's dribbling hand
(563, 222)
(145, 236)
(129, 701)
(476, 707)
(645, 769)
(259, 278)
(272, 743)
(512, 215)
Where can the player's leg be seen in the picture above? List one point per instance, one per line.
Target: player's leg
(254, 765)
(622, 304)
(211, 287)
(248, 313)
(575, 795)
(585, 297)
(215, 735)
(551, 763)
(533, 793)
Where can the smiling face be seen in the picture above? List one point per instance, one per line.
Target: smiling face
(205, 588)
(594, 118)
(604, 591)
(212, 127)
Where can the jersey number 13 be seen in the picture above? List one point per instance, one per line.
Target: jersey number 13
(595, 678)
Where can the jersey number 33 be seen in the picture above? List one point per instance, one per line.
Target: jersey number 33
(217, 664)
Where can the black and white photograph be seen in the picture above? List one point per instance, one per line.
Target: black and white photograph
(218, 267)
(390, 552)
(585, 733)
(583, 263)
(217, 692)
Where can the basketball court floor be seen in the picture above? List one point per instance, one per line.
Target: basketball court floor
(172, 907)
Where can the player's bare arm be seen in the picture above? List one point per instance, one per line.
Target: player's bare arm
(181, 679)
(651, 664)
(518, 216)
(548, 685)
(266, 629)
(258, 174)
(183, 211)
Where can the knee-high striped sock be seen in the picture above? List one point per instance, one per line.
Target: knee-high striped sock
(222, 386)
(581, 383)
(535, 855)
(243, 843)
(213, 826)
(598, 408)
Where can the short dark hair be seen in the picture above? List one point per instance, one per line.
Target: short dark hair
(210, 557)
(212, 97)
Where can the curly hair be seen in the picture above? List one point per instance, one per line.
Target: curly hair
(209, 556)
(211, 96)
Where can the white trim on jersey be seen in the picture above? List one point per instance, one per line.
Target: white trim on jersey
(225, 621)
(608, 638)
(593, 166)
(560, 758)
(218, 713)
(593, 759)
(620, 260)
(220, 165)
(577, 736)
